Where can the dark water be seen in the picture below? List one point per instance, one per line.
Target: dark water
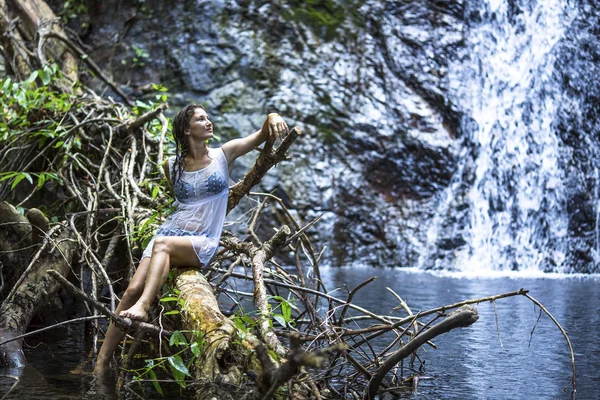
(470, 363)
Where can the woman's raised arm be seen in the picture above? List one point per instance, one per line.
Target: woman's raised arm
(273, 125)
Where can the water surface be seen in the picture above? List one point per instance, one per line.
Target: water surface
(470, 363)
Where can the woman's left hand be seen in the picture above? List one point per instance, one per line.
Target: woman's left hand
(277, 126)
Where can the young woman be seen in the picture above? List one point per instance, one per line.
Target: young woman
(198, 177)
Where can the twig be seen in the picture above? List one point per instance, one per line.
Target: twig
(47, 328)
(31, 264)
(351, 297)
(540, 305)
(16, 378)
(497, 324)
(132, 125)
(45, 34)
(460, 318)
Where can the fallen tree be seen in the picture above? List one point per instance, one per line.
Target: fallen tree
(93, 166)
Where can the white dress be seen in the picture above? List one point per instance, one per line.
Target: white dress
(201, 203)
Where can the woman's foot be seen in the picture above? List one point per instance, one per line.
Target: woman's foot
(136, 312)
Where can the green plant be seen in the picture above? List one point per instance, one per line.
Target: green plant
(140, 57)
(173, 365)
(284, 317)
(73, 9)
(31, 111)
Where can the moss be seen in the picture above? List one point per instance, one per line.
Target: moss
(229, 104)
(326, 17)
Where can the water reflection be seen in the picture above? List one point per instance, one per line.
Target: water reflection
(469, 364)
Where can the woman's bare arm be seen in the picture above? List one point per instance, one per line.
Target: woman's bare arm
(274, 125)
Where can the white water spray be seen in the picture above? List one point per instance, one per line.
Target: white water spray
(518, 217)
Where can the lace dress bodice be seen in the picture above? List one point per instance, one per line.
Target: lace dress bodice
(201, 203)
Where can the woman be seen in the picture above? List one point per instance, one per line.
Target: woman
(198, 177)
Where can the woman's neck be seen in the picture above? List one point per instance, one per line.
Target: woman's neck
(197, 151)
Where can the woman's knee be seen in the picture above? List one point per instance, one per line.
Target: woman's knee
(161, 245)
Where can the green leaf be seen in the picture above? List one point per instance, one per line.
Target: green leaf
(58, 144)
(41, 180)
(286, 310)
(177, 363)
(172, 312)
(159, 87)
(7, 85)
(46, 75)
(196, 348)
(177, 338)
(240, 324)
(249, 321)
(7, 175)
(18, 179)
(32, 77)
(168, 299)
(273, 355)
(279, 318)
(156, 385)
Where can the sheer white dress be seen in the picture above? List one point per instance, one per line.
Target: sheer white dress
(201, 203)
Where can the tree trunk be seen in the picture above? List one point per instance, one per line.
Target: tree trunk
(36, 290)
(225, 355)
(20, 22)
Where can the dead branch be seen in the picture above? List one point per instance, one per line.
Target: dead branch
(132, 125)
(259, 256)
(274, 376)
(463, 317)
(267, 159)
(122, 322)
(28, 298)
(564, 333)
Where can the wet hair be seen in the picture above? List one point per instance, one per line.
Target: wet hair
(181, 123)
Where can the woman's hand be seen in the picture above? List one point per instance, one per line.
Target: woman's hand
(276, 125)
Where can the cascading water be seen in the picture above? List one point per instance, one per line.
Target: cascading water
(517, 217)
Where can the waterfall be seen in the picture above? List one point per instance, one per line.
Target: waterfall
(517, 217)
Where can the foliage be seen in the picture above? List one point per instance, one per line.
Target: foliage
(140, 57)
(189, 346)
(31, 111)
(44, 138)
(73, 9)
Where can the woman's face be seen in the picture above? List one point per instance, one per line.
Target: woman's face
(200, 127)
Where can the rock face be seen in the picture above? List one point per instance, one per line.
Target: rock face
(389, 148)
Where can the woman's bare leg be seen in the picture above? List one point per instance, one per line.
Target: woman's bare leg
(167, 250)
(114, 335)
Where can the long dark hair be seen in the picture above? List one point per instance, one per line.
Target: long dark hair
(181, 123)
